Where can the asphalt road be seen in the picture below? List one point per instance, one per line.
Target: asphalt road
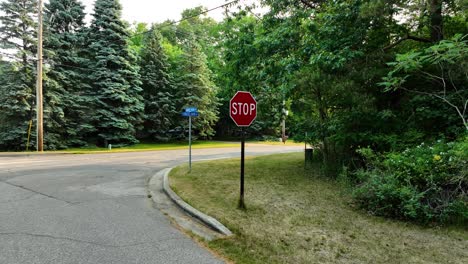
(94, 208)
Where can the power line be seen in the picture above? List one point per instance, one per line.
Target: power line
(187, 18)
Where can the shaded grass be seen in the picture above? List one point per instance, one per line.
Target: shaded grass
(298, 217)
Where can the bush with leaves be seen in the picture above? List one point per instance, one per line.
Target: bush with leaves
(428, 183)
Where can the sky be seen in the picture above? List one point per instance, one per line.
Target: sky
(155, 11)
(151, 11)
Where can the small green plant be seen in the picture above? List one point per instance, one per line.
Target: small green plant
(427, 183)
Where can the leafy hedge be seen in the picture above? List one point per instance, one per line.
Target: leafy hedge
(428, 183)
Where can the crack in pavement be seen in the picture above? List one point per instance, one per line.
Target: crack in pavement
(86, 242)
(37, 192)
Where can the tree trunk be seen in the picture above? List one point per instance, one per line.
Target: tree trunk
(323, 119)
(437, 21)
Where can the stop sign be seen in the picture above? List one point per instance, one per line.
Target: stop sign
(243, 109)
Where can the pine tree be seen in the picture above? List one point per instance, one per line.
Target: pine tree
(196, 88)
(117, 101)
(64, 44)
(17, 33)
(158, 89)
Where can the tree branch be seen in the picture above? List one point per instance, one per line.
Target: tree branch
(407, 37)
(443, 98)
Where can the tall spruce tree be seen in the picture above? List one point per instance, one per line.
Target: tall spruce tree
(17, 33)
(196, 88)
(158, 88)
(64, 44)
(117, 101)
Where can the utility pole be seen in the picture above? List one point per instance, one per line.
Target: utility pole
(39, 97)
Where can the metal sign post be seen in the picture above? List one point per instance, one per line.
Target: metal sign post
(243, 111)
(241, 200)
(190, 143)
(190, 112)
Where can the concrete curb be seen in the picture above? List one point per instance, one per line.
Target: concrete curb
(206, 219)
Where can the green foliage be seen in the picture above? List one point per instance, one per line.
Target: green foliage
(192, 53)
(427, 183)
(443, 67)
(329, 57)
(238, 70)
(327, 67)
(137, 37)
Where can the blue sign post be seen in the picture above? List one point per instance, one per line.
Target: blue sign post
(190, 112)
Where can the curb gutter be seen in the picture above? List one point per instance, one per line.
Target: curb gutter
(206, 219)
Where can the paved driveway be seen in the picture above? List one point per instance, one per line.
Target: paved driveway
(94, 208)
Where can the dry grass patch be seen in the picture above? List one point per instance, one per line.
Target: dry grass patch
(296, 217)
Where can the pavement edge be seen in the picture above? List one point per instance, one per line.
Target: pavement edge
(206, 219)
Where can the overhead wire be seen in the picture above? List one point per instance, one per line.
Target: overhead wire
(187, 18)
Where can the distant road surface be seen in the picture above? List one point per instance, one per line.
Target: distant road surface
(94, 209)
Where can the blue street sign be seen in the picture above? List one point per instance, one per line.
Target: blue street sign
(193, 114)
(191, 109)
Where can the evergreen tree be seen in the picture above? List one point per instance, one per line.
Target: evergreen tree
(196, 88)
(158, 90)
(116, 92)
(17, 33)
(64, 45)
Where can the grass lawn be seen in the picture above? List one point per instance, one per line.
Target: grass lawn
(277, 143)
(169, 146)
(163, 146)
(156, 146)
(294, 217)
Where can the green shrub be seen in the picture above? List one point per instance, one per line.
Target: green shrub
(428, 183)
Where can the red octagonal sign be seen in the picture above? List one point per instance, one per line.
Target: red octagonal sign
(243, 109)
